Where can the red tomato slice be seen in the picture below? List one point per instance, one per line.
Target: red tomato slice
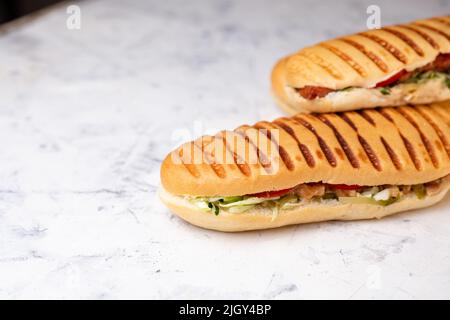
(271, 194)
(391, 80)
(345, 186)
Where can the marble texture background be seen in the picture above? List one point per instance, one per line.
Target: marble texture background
(86, 116)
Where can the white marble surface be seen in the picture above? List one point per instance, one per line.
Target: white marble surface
(87, 115)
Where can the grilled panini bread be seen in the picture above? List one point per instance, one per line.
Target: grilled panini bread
(312, 167)
(391, 66)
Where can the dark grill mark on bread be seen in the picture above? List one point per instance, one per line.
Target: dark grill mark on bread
(412, 153)
(327, 151)
(425, 36)
(408, 146)
(365, 115)
(191, 168)
(433, 29)
(265, 126)
(366, 146)
(386, 115)
(303, 148)
(443, 21)
(392, 154)
(387, 46)
(328, 67)
(218, 169)
(442, 115)
(423, 137)
(286, 159)
(370, 153)
(307, 155)
(406, 39)
(342, 142)
(262, 158)
(323, 145)
(347, 59)
(243, 167)
(436, 128)
(238, 160)
(372, 56)
(344, 117)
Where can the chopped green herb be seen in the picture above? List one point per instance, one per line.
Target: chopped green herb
(431, 75)
(420, 77)
(387, 202)
(214, 208)
(413, 79)
(385, 91)
(420, 191)
(231, 199)
(347, 89)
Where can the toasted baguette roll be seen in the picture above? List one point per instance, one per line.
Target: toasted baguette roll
(384, 67)
(378, 147)
(404, 145)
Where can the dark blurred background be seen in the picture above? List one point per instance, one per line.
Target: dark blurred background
(13, 9)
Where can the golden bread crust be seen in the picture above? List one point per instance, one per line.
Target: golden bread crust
(405, 145)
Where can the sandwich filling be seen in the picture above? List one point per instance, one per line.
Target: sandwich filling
(439, 69)
(306, 193)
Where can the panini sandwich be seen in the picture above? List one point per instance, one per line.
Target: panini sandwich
(391, 66)
(312, 167)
